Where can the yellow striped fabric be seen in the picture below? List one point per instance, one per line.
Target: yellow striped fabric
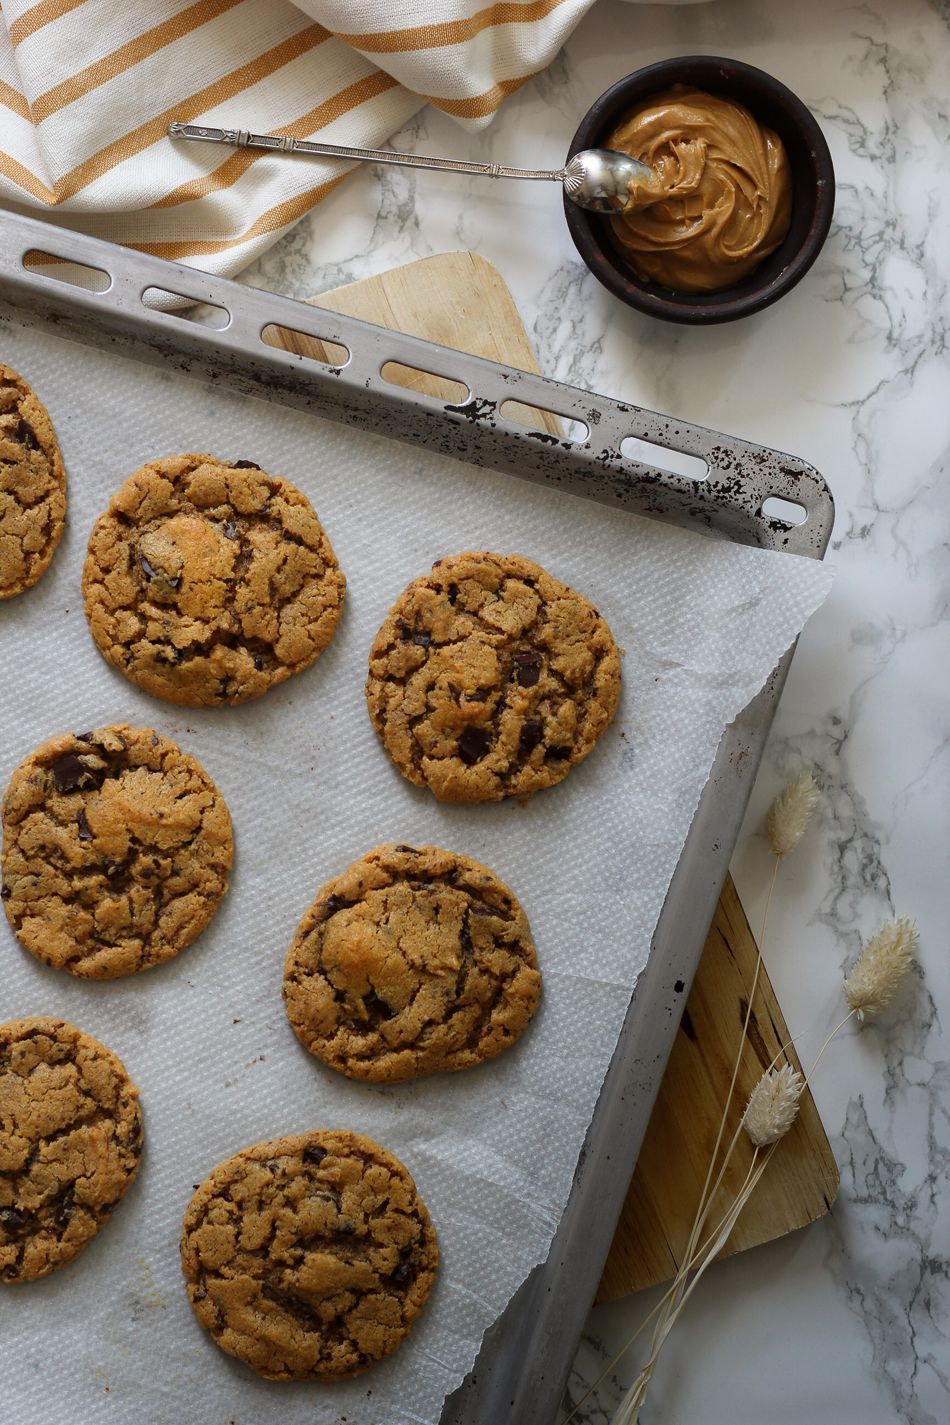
(88, 87)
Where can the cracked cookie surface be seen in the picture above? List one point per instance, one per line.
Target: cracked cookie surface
(32, 486)
(309, 1257)
(70, 1140)
(412, 962)
(116, 851)
(490, 678)
(207, 582)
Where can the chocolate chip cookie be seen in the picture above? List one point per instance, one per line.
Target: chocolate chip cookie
(32, 486)
(415, 960)
(116, 851)
(490, 678)
(208, 582)
(70, 1139)
(309, 1257)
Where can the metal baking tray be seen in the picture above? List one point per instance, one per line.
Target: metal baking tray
(525, 1358)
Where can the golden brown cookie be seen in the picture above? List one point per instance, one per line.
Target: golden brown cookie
(208, 582)
(32, 486)
(414, 961)
(490, 678)
(309, 1257)
(70, 1139)
(116, 851)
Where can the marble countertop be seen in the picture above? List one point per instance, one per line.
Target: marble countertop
(846, 1321)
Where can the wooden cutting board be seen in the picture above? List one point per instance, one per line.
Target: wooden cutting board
(459, 300)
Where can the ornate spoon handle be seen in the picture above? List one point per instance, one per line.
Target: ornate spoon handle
(283, 143)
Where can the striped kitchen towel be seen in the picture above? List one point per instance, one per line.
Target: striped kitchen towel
(87, 89)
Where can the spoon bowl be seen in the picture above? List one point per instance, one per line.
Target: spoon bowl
(602, 180)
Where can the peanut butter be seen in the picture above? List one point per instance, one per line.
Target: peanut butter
(722, 199)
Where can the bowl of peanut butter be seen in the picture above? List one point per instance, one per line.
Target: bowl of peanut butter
(741, 198)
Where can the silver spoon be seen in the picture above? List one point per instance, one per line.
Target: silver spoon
(596, 178)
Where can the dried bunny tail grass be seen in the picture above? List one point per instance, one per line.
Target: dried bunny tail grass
(789, 814)
(773, 1105)
(879, 969)
(628, 1412)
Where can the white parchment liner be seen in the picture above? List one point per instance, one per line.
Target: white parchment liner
(701, 623)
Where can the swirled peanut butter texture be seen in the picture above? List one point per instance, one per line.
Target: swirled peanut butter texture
(722, 197)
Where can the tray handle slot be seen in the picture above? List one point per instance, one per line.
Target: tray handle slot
(664, 457)
(426, 383)
(542, 422)
(66, 269)
(783, 511)
(185, 309)
(312, 348)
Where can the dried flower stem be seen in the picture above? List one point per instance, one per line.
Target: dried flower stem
(773, 1105)
(786, 822)
(629, 1409)
(770, 1113)
(820, 1055)
(710, 1189)
(785, 825)
(698, 1256)
(783, 1119)
(705, 1197)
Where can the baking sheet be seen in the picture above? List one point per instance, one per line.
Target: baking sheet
(493, 1151)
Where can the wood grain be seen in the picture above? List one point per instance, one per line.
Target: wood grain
(460, 301)
(802, 1179)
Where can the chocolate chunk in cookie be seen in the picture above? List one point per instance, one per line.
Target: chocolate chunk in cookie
(116, 851)
(309, 1257)
(208, 582)
(32, 486)
(491, 679)
(415, 960)
(70, 1139)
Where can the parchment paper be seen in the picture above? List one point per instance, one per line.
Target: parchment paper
(701, 623)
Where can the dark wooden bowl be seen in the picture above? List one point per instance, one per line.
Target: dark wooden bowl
(813, 190)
